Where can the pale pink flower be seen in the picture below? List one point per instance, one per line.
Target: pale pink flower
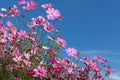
(3, 32)
(26, 8)
(52, 13)
(30, 5)
(76, 57)
(71, 52)
(61, 42)
(103, 61)
(3, 15)
(71, 71)
(40, 71)
(17, 59)
(46, 6)
(48, 27)
(38, 21)
(27, 56)
(27, 63)
(12, 28)
(17, 78)
(3, 41)
(13, 11)
(21, 2)
(23, 34)
(31, 25)
(113, 70)
(97, 58)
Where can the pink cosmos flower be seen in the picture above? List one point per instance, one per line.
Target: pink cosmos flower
(17, 59)
(31, 25)
(107, 73)
(53, 60)
(12, 28)
(38, 21)
(26, 8)
(30, 5)
(21, 2)
(100, 78)
(97, 58)
(113, 70)
(3, 15)
(3, 33)
(19, 67)
(107, 67)
(46, 6)
(103, 61)
(17, 78)
(53, 14)
(71, 52)
(30, 72)
(27, 63)
(27, 56)
(23, 34)
(61, 42)
(71, 71)
(48, 27)
(2, 41)
(40, 71)
(13, 11)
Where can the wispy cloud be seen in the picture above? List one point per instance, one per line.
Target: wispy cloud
(115, 77)
(93, 51)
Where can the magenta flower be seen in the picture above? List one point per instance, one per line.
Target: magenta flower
(46, 6)
(53, 14)
(30, 72)
(61, 42)
(40, 71)
(71, 52)
(32, 4)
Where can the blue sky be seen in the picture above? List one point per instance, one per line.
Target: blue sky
(91, 26)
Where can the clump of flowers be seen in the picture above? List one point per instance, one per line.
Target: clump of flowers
(32, 52)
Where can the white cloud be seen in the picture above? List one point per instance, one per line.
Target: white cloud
(93, 51)
(115, 77)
